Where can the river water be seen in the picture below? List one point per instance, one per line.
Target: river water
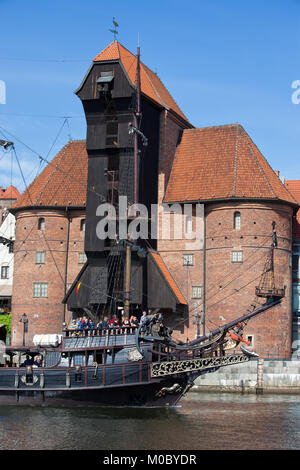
(203, 421)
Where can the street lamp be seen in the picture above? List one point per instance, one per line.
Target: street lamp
(197, 317)
(24, 320)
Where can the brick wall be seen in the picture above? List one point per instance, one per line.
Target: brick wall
(45, 314)
(230, 287)
(170, 128)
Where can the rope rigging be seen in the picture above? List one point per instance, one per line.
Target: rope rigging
(56, 168)
(22, 242)
(115, 260)
(45, 159)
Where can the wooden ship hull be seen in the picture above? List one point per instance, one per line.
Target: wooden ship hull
(116, 381)
(146, 394)
(111, 387)
(115, 367)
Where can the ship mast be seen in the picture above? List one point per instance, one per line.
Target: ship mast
(135, 129)
(127, 281)
(137, 121)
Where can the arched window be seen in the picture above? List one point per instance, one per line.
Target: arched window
(237, 221)
(41, 224)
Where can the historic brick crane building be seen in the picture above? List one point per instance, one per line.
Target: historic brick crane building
(218, 172)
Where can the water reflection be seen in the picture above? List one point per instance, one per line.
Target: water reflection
(204, 421)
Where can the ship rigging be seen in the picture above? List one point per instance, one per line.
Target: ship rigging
(124, 365)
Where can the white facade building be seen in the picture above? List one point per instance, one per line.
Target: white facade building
(7, 231)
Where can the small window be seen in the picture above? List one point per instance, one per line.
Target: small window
(296, 298)
(41, 224)
(82, 258)
(251, 339)
(188, 224)
(40, 257)
(82, 225)
(11, 247)
(188, 260)
(237, 221)
(4, 272)
(112, 133)
(236, 256)
(40, 289)
(196, 292)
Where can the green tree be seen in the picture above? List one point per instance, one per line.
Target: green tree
(6, 321)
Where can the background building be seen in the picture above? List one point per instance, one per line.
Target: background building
(49, 247)
(218, 168)
(294, 187)
(7, 232)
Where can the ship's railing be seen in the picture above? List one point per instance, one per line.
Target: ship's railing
(113, 331)
(58, 378)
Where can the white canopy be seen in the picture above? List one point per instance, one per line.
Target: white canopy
(47, 340)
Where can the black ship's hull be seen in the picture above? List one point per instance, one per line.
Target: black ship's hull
(161, 392)
(114, 381)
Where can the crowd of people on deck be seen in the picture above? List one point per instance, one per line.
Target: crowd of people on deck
(85, 323)
(28, 361)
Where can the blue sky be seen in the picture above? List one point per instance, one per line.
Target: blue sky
(223, 62)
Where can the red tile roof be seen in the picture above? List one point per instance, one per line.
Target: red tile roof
(167, 275)
(222, 162)
(63, 182)
(151, 85)
(10, 193)
(294, 187)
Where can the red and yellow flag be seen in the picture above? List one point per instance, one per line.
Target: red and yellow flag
(77, 288)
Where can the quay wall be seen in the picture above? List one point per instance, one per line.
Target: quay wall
(263, 376)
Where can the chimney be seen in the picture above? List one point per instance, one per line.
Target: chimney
(277, 173)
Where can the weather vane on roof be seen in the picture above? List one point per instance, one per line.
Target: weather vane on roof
(114, 31)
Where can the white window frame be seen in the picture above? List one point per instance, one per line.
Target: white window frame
(40, 289)
(40, 257)
(188, 259)
(5, 269)
(237, 220)
(196, 292)
(237, 256)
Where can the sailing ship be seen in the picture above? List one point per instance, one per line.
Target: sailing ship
(140, 365)
(127, 366)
